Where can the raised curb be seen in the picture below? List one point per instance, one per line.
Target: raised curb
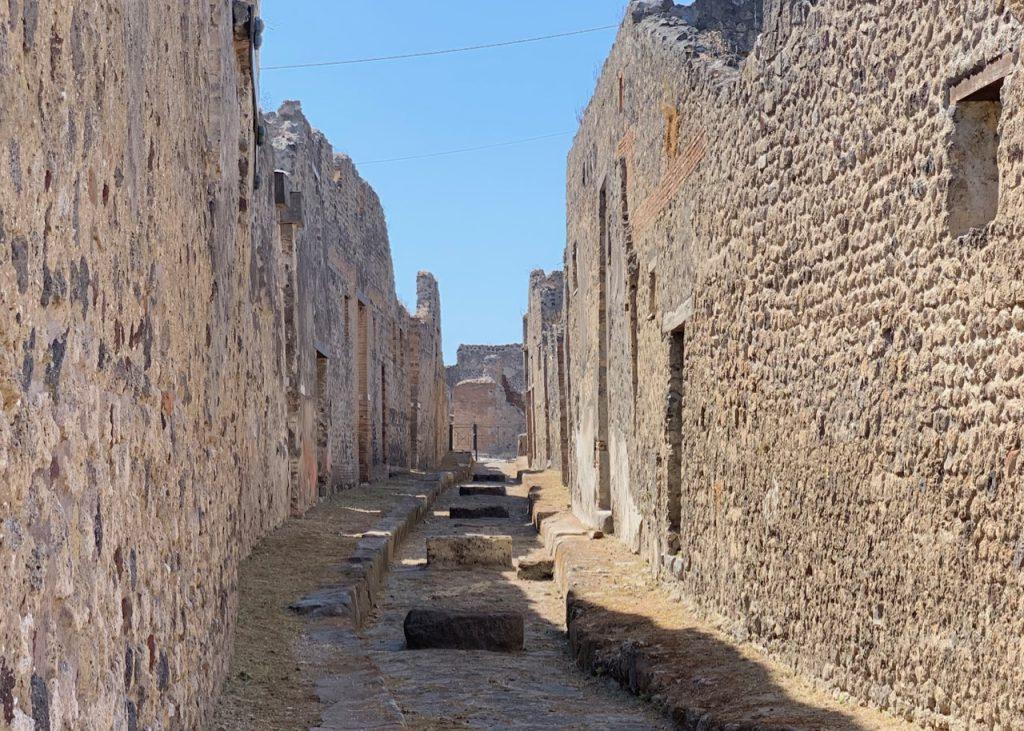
(639, 662)
(366, 569)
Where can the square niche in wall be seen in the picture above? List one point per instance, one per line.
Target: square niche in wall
(976, 101)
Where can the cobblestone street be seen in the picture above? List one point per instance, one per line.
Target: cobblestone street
(323, 668)
(537, 688)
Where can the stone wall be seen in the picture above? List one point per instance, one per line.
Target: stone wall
(487, 385)
(791, 385)
(366, 375)
(159, 323)
(545, 372)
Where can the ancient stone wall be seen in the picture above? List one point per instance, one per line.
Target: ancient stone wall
(140, 454)
(158, 377)
(489, 361)
(367, 376)
(545, 371)
(792, 382)
(487, 386)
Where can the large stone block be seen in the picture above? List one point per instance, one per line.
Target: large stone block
(478, 512)
(486, 490)
(470, 551)
(448, 630)
(536, 569)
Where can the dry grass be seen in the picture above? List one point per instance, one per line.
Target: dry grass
(270, 684)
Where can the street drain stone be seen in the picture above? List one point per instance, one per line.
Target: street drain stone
(434, 629)
(470, 551)
(474, 512)
(487, 490)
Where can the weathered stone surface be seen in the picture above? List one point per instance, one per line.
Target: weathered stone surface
(474, 512)
(487, 387)
(484, 490)
(470, 551)
(335, 602)
(773, 334)
(444, 630)
(491, 476)
(544, 347)
(535, 569)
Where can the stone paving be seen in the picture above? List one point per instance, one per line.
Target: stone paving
(539, 687)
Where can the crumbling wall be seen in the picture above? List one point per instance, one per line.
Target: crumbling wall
(543, 347)
(808, 383)
(430, 397)
(487, 384)
(490, 361)
(359, 353)
(159, 410)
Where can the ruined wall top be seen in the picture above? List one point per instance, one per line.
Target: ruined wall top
(547, 293)
(489, 361)
(721, 30)
(361, 230)
(428, 298)
(725, 29)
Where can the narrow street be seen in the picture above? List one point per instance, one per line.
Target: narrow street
(537, 688)
(292, 672)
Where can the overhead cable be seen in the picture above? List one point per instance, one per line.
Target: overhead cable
(423, 54)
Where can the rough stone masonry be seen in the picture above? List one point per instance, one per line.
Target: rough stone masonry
(200, 337)
(487, 384)
(544, 356)
(793, 334)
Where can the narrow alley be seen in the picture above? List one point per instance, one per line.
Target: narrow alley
(610, 365)
(328, 674)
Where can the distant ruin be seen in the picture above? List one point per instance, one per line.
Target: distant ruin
(544, 354)
(487, 384)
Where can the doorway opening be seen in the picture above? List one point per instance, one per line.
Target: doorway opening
(362, 368)
(323, 421)
(674, 439)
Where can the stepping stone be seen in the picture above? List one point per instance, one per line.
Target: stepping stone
(488, 490)
(474, 513)
(489, 477)
(446, 630)
(536, 569)
(325, 603)
(470, 551)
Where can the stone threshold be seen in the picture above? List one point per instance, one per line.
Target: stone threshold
(624, 624)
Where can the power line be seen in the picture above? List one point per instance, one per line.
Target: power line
(423, 54)
(466, 149)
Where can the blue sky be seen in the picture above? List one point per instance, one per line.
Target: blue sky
(480, 221)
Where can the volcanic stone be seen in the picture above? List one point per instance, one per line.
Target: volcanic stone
(449, 630)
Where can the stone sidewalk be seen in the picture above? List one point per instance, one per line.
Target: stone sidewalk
(288, 666)
(624, 624)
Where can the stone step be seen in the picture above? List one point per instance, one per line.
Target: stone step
(470, 551)
(448, 630)
(489, 477)
(477, 512)
(486, 490)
